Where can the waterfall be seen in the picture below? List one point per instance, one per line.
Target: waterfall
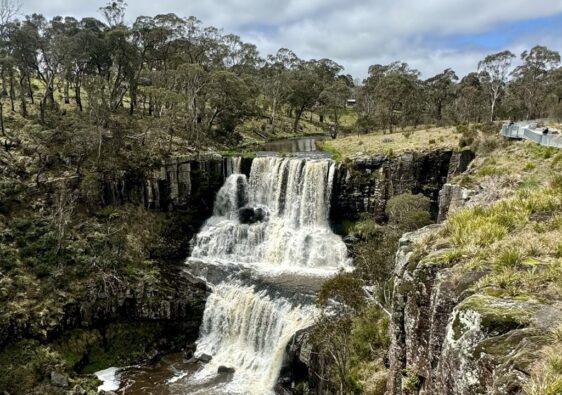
(248, 331)
(277, 218)
(273, 222)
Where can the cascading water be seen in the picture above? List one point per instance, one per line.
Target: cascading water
(272, 223)
(278, 219)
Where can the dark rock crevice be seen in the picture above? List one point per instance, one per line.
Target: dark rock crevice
(364, 185)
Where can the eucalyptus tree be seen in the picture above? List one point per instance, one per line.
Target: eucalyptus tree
(440, 91)
(23, 46)
(276, 74)
(531, 78)
(308, 80)
(114, 12)
(8, 11)
(393, 94)
(495, 70)
(333, 100)
(470, 101)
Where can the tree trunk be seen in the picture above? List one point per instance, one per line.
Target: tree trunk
(2, 119)
(78, 97)
(273, 108)
(298, 116)
(67, 92)
(12, 93)
(29, 90)
(23, 106)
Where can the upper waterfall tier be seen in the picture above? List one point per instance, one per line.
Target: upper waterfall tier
(276, 217)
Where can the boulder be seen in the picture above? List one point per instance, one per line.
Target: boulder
(77, 390)
(205, 358)
(225, 369)
(59, 379)
(251, 215)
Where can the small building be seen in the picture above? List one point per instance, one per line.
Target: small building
(350, 102)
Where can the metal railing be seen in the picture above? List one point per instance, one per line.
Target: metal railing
(530, 131)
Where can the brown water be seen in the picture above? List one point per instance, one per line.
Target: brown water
(171, 375)
(300, 144)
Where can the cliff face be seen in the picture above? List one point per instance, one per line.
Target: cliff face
(447, 340)
(180, 183)
(364, 185)
(173, 297)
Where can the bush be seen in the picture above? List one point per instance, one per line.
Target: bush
(409, 211)
(490, 128)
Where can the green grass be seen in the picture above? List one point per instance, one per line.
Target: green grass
(376, 143)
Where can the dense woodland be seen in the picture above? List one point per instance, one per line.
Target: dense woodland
(200, 84)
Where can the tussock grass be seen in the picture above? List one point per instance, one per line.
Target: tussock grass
(546, 376)
(518, 240)
(375, 143)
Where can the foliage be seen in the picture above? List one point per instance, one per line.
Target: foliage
(408, 211)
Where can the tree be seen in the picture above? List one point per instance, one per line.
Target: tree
(114, 12)
(470, 99)
(440, 91)
(393, 94)
(332, 100)
(276, 77)
(495, 70)
(344, 297)
(531, 78)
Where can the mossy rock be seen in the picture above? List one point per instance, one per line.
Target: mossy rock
(518, 346)
(496, 316)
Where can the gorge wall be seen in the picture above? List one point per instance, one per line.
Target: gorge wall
(448, 339)
(364, 185)
(188, 185)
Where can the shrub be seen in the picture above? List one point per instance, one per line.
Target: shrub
(556, 182)
(407, 134)
(486, 145)
(490, 128)
(462, 128)
(508, 257)
(409, 211)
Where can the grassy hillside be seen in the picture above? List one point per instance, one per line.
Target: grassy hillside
(377, 142)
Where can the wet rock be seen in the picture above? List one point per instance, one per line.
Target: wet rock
(205, 358)
(59, 379)
(192, 360)
(225, 370)
(77, 390)
(188, 352)
(250, 215)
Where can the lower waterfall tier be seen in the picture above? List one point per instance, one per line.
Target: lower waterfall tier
(248, 331)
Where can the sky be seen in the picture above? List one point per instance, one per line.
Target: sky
(430, 35)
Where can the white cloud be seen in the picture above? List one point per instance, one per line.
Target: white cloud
(356, 33)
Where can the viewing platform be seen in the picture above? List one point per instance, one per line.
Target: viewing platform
(530, 131)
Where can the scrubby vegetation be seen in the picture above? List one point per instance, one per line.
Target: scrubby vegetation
(352, 335)
(86, 99)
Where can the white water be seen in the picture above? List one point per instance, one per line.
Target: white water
(109, 378)
(247, 329)
(295, 196)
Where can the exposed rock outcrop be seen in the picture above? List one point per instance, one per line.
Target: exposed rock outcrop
(179, 183)
(446, 340)
(451, 198)
(174, 296)
(365, 184)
